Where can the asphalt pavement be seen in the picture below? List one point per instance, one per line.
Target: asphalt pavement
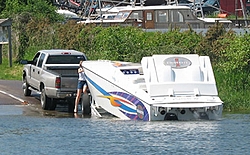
(8, 100)
(12, 101)
(11, 93)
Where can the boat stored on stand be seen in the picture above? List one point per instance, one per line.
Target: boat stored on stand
(158, 17)
(161, 87)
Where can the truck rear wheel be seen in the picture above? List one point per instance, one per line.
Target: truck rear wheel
(26, 91)
(85, 104)
(45, 100)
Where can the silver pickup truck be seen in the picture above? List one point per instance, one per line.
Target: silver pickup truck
(53, 73)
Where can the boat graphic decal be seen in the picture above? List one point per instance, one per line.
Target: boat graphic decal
(117, 102)
(124, 101)
(177, 62)
(141, 111)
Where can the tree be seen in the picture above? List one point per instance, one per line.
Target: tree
(35, 8)
(2, 5)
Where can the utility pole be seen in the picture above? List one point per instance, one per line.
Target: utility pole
(5, 37)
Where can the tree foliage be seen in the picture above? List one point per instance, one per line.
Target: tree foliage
(2, 5)
(36, 8)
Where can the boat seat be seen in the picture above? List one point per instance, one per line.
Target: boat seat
(190, 74)
(149, 71)
(196, 73)
(165, 74)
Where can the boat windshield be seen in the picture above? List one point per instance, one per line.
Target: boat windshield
(119, 15)
(125, 15)
(209, 3)
(122, 15)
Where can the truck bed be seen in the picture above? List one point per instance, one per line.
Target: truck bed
(69, 76)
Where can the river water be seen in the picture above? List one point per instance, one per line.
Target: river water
(26, 131)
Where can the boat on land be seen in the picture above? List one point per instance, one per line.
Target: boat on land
(161, 87)
(158, 17)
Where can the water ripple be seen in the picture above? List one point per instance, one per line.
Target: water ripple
(50, 135)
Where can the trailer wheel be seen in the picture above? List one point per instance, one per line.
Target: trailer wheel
(71, 105)
(53, 103)
(45, 100)
(26, 91)
(85, 104)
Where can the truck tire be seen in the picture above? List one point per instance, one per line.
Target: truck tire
(26, 91)
(85, 104)
(45, 100)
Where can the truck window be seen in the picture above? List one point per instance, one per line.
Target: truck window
(65, 59)
(36, 58)
(40, 61)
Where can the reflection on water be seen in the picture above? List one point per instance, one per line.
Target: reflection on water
(40, 132)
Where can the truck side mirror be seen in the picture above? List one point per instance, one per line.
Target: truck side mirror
(24, 62)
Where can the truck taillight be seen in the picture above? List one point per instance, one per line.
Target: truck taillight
(58, 82)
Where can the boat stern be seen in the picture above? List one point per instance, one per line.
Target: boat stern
(159, 113)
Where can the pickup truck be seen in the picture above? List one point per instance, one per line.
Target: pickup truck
(53, 73)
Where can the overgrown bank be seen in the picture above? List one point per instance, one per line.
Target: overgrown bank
(229, 53)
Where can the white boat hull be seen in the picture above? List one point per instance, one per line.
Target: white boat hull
(126, 100)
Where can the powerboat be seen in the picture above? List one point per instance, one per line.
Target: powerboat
(158, 17)
(161, 87)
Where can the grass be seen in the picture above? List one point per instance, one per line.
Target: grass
(10, 73)
(233, 91)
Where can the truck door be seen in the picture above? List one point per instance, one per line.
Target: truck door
(37, 70)
(149, 19)
(32, 69)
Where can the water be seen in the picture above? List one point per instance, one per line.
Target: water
(46, 133)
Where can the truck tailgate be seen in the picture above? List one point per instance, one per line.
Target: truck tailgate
(69, 83)
(68, 74)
